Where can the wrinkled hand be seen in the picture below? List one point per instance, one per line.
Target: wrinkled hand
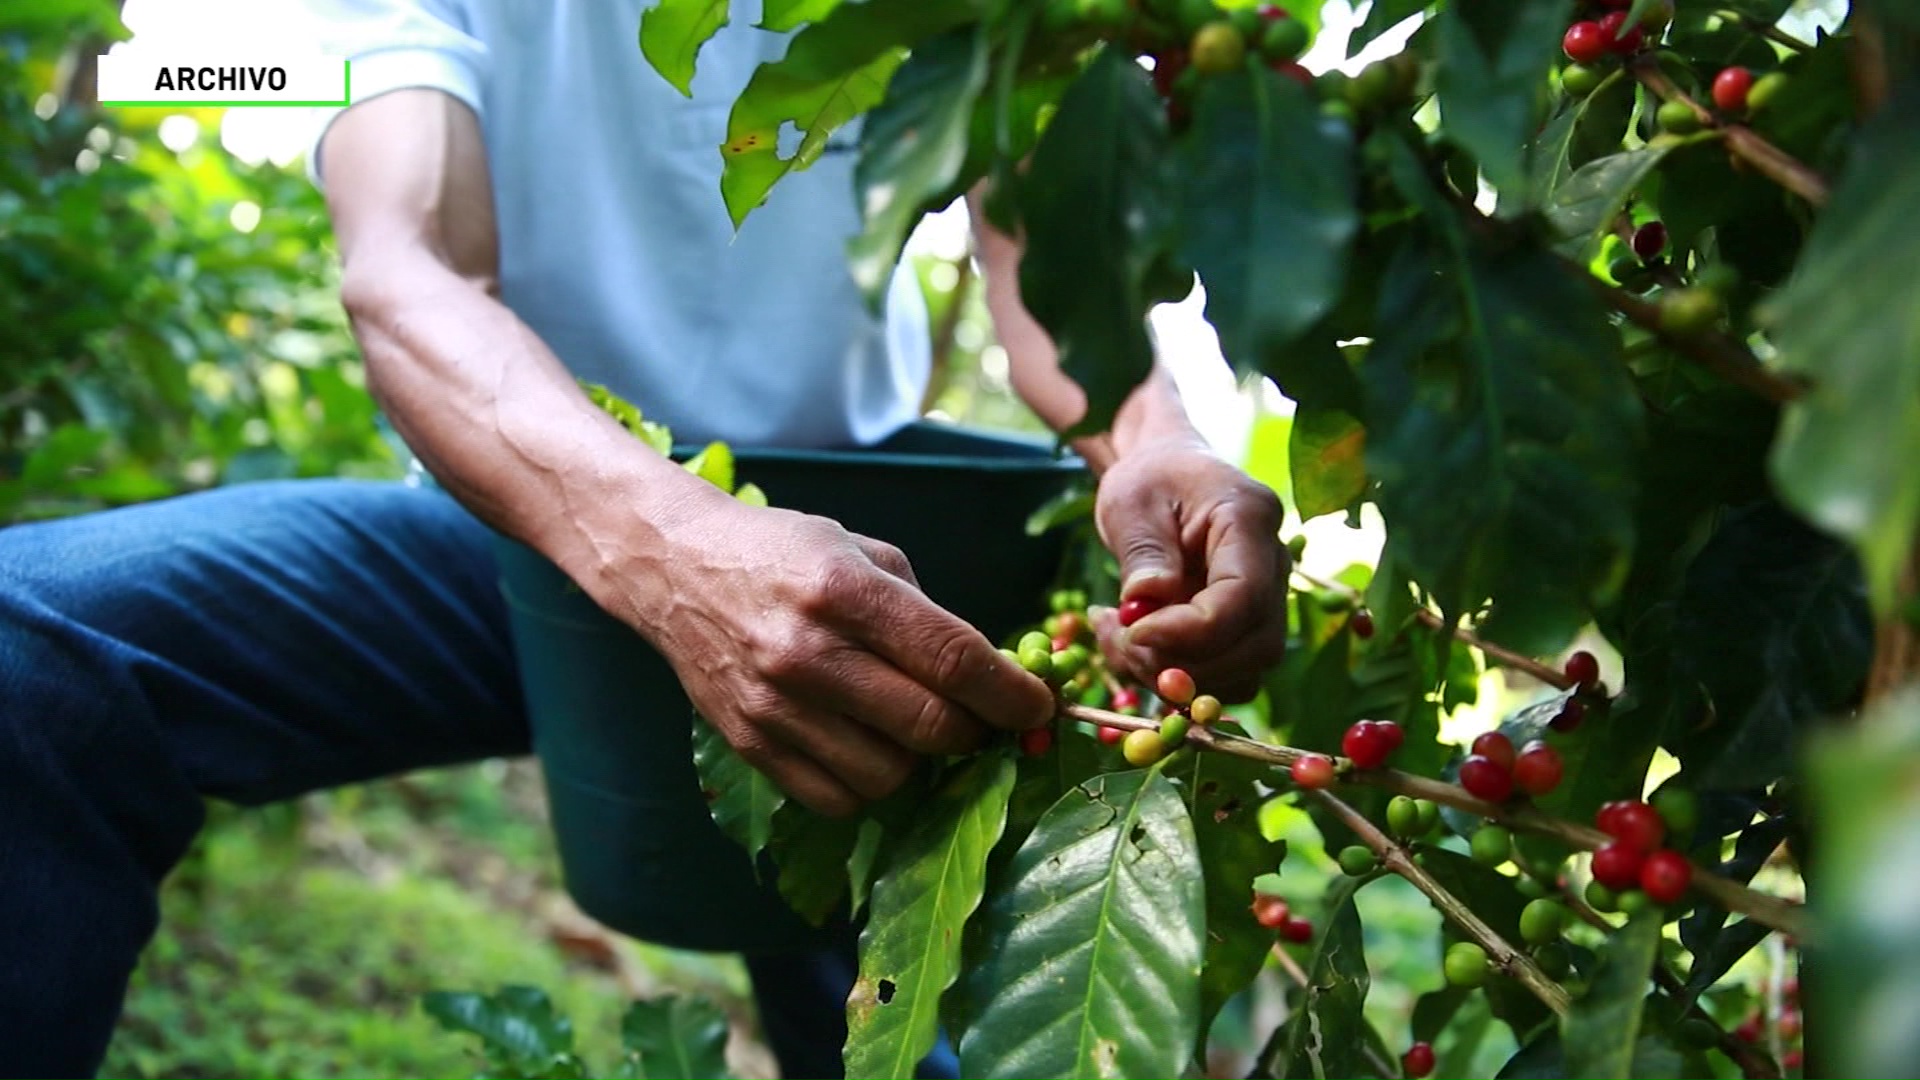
(1202, 538)
(815, 653)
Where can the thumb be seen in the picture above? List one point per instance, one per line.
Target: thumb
(1148, 547)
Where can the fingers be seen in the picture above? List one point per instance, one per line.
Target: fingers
(1243, 563)
(857, 684)
(866, 762)
(794, 772)
(888, 558)
(949, 658)
(1142, 529)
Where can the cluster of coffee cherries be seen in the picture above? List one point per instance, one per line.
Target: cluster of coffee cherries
(1063, 652)
(1367, 744)
(1271, 911)
(1602, 34)
(1634, 862)
(1183, 707)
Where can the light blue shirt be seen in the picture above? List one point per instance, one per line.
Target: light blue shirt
(616, 247)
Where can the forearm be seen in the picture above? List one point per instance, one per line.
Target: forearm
(501, 424)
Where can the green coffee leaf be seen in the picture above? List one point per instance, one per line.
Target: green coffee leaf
(910, 950)
(672, 33)
(1096, 940)
(740, 797)
(675, 1038)
(1096, 205)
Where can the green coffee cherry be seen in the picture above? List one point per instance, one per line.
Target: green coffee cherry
(1467, 965)
(1011, 654)
(1297, 546)
(1542, 921)
(1531, 887)
(1403, 817)
(1578, 80)
(1173, 729)
(1059, 600)
(1429, 817)
(1679, 808)
(1491, 846)
(1284, 39)
(1600, 898)
(1677, 118)
(1633, 902)
(1037, 662)
(1358, 861)
(1766, 89)
(1689, 312)
(1035, 639)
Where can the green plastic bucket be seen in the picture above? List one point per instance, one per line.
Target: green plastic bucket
(611, 724)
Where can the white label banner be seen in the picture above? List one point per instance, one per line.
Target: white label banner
(132, 76)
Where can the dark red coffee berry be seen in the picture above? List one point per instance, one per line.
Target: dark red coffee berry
(1617, 866)
(1417, 1061)
(1538, 768)
(1485, 779)
(1036, 741)
(1633, 823)
(1368, 743)
(1649, 241)
(1297, 930)
(1569, 717)
(1625, 44)
(1112, 736)
(1583, 668)
(1270, 911)
(1495, 747)
(1126, 699)
(1665, 876)
(1362, 623)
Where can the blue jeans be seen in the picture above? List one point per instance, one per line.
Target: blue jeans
(250, 644)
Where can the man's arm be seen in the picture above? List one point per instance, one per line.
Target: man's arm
(810, 648)
(1193, 534)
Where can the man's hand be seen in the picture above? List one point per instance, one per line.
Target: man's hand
(1200, 537)
(815, 653)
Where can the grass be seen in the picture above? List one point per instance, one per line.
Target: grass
(297, 940)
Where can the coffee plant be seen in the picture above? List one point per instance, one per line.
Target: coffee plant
(1609, 308)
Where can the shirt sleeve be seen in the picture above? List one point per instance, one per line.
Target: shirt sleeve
(397, 45)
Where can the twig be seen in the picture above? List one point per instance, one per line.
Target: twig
(1766, 30)
(1395, 858)
(1716, 352)
(1550, 676)
(1729, 894)
(1778, 165)
(1299, 976)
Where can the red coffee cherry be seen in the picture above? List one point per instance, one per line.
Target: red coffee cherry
(1617, 865)
(1496, 748)
(1585, 42)
(1297, 930)
(1633, 823)
(1175, 685)
(1126, 699)
(1485, 779)
(1362, 623)
(1665, 876)
(1369, 743)
(1036, 741)
(1313, 771)
(1417, 1061)
(1270, 911)
(1111, 736)
(1538, 768)
(1624, 44)
(1730, 89)
(1583, 668)
(1649, 241)
(1132, 611)
(1570, 716)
